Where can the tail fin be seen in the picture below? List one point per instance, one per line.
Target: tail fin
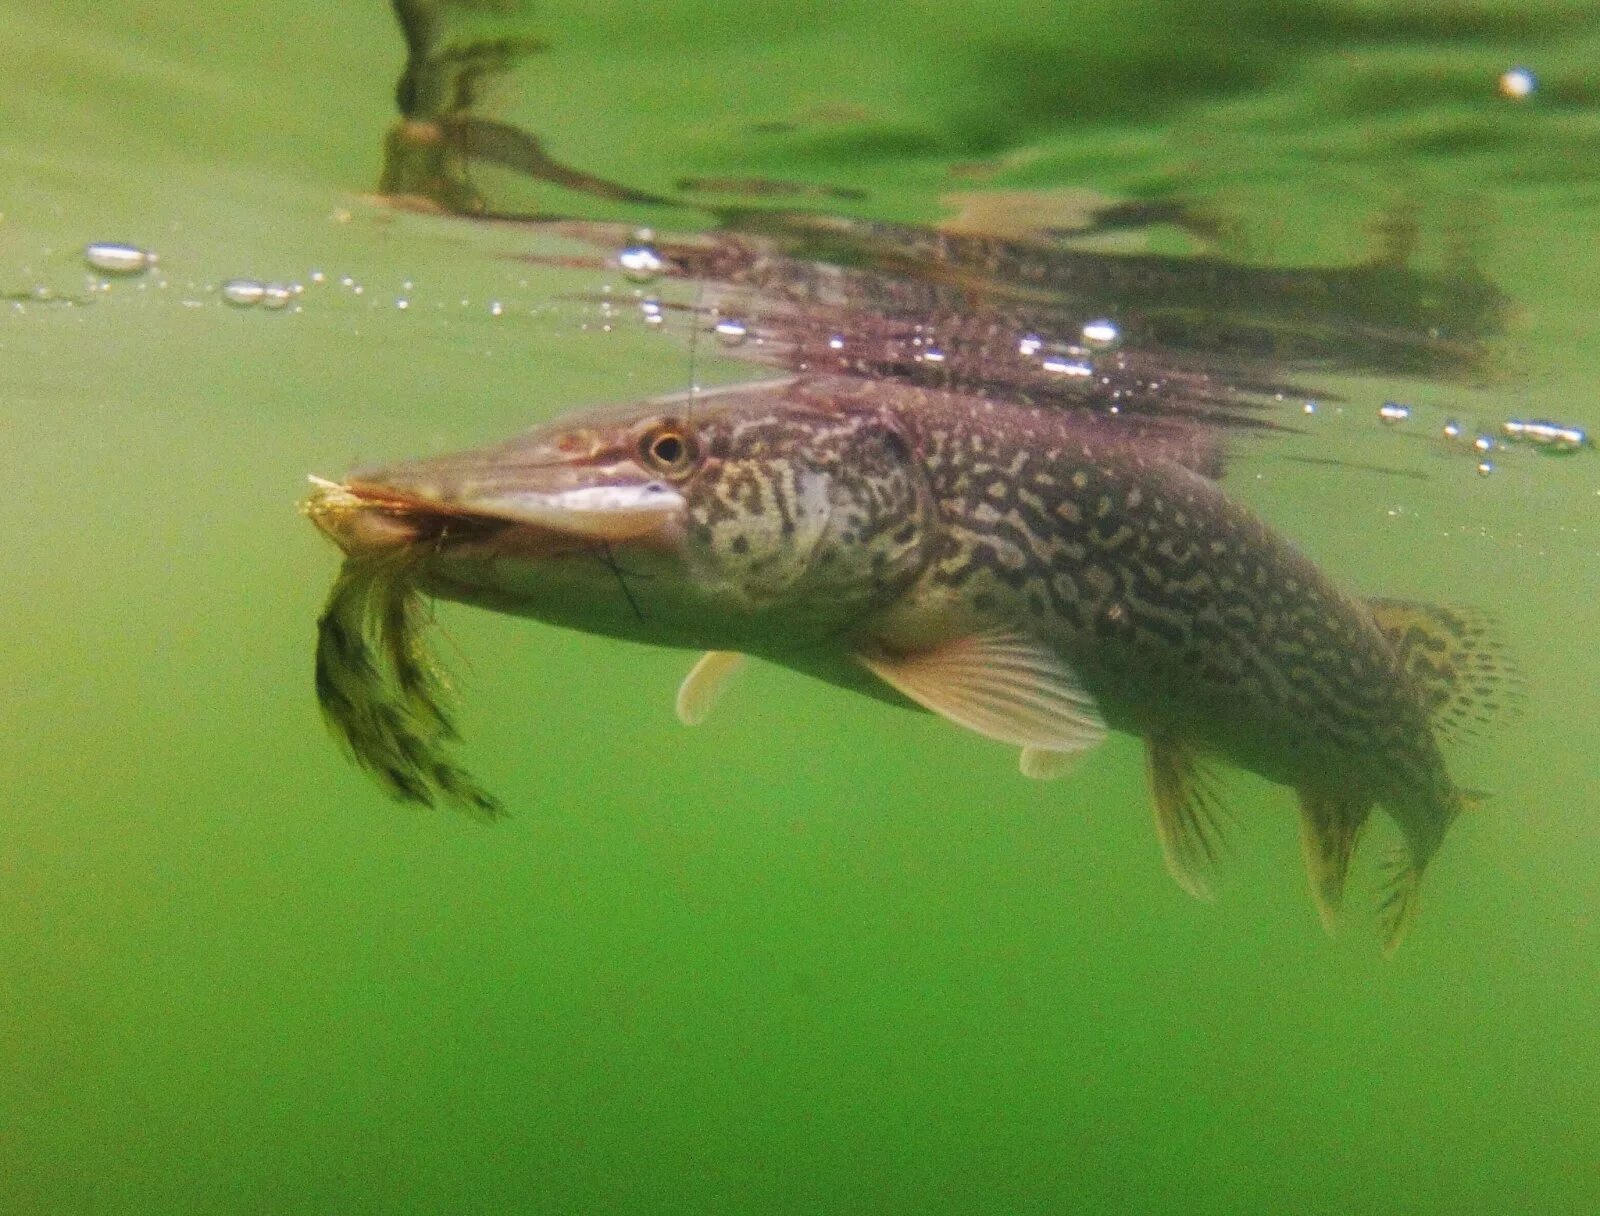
(1458, 666)
(1402, 877)
(1397, 904)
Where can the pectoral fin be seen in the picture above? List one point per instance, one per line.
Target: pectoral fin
(704, 683)
(1329, 826)
(1003, 685)
(1189, 820)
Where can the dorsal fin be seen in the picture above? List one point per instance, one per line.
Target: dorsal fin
(1461, 670)
(1189, 820)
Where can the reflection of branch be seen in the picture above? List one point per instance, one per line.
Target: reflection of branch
(440, 80)
(508, 146)
(429, 153)
(417, 26)
(1377, 315)
(1380, 315)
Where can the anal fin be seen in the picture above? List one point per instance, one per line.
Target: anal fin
(1329, 827)
(704, 683)
(1043, 764)
(1189, 820)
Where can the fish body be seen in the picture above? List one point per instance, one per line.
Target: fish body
(1036, 575)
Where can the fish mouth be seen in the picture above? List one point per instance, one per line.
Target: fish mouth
(364, 515)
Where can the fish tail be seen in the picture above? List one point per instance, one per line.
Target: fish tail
(1402, 870)
(1397, 901)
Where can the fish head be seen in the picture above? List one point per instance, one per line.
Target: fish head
(763, 518)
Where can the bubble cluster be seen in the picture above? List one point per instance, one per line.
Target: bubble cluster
(1486, 443)
(250, 293)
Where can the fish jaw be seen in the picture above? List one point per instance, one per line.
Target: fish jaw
(548, 504)
(357, 524)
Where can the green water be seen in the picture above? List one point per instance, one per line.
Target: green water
(816, 955)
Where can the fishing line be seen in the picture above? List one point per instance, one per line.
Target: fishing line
(694, 348)
(609, 560)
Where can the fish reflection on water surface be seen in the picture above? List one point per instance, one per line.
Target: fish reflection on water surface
(1037, 576)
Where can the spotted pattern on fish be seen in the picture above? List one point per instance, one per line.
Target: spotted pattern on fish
(1185, 613)
(778, 531)
(1037, 575)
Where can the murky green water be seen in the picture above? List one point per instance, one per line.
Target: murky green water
(816, 955)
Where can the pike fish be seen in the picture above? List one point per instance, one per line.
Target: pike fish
(1037, 576)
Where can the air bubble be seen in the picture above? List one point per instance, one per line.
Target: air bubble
(1452, 430)
(1554, 437)
(1518, 84)
(243, 293)
(276, 295)
(650, 309)
(496, 309)
(115, 257)
(1392, 413)
(640, 262)
(1485, 467)
(1029, 345)
(731, 332)
(1101, 332)
(1067, 367)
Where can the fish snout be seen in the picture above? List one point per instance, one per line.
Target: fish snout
(566, 501)
(359, 523)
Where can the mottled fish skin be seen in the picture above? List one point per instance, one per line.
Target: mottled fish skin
(846, 527)
(1183, 612)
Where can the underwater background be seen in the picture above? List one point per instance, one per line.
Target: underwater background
(816, 955)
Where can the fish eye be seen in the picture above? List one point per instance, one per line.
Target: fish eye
(668, 449)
